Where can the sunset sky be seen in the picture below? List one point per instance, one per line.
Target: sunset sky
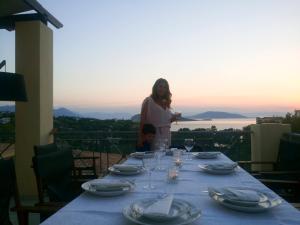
(233, 55)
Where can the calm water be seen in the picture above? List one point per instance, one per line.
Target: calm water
(219, 123)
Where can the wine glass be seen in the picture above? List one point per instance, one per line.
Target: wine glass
(149, 165)
(159, 152)
(189, 144)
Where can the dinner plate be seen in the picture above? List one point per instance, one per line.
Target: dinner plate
(137, 155)
(206, 155)
(126, 173)
(207, 169)
(229, 196)
(141, 155)
(107, 193)
(271, 202)
(190, 214)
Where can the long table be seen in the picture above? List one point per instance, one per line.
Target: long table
(192, 184)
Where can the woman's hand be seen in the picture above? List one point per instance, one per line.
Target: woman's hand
(175, 117)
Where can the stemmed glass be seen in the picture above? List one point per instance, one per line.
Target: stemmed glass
(149, 164)
(160, 151)
(189, 144)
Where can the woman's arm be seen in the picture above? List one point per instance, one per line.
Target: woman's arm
(142, 121)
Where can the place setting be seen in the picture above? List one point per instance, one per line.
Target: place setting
(163, 209)
(108, 188)
(206, 155)
(223, 168)
(141, 155)
(244, 199)
(126, 169)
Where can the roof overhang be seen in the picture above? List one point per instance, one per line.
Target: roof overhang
(10, 13)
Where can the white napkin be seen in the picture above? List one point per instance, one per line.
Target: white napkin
(222, 166)
(126, 168)
(206, 154)
(161, 206)
(109, 186)
(242, 195)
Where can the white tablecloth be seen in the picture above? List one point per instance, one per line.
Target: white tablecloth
(88, 209)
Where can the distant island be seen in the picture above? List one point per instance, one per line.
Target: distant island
(209, 115)
(217, 115)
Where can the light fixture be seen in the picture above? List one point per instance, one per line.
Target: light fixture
(12, 86)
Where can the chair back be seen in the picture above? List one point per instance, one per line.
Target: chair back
(288, 158)
(45, 149)
(54, 171)
(7, 185)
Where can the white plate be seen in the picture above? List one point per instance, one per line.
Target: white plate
(87, 187)
(188, 217)
(206, 155)
(230, 198)
(126, 173)
(141, 155)
(272, 202)
(206, 169)
(137, 155)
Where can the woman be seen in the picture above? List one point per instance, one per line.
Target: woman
(156, 111)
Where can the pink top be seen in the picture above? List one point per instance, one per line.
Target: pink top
(160, 118)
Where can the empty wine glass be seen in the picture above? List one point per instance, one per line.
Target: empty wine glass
(149, 165)
(189, 144)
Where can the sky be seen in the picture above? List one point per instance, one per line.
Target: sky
(233, 55)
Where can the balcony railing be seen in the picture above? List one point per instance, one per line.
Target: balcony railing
(112, 146)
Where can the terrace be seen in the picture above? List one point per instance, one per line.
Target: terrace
(34, 118)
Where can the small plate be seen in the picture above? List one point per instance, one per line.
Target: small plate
(206, 155)
(207, 169)
(229, 197)
(107, 193)
(271, 202)
(126, 173)
(141, 155)
(191, 214)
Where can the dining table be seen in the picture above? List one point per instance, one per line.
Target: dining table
(191, 185)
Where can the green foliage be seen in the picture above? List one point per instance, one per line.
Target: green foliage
(294, 121)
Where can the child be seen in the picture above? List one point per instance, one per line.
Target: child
(148, 133)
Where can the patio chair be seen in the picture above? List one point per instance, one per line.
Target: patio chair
(6, 189)
(284, 179)
(9, 189)
(82, 173)
(54, 173)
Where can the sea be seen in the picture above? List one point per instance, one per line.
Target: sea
(220, 124)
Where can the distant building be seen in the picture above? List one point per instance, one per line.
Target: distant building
(297, 113)
(5, 120)
(271, 119)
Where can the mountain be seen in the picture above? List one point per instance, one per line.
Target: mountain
(107, 116)
(217, 115)
(137, 117)
(64, 112)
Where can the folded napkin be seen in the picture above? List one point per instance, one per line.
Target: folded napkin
(127, 168)
(109, 186)
(222, 166)
(160, 207)
(207, 154)
(243, 195)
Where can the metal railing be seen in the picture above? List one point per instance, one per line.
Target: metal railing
(235, 144)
